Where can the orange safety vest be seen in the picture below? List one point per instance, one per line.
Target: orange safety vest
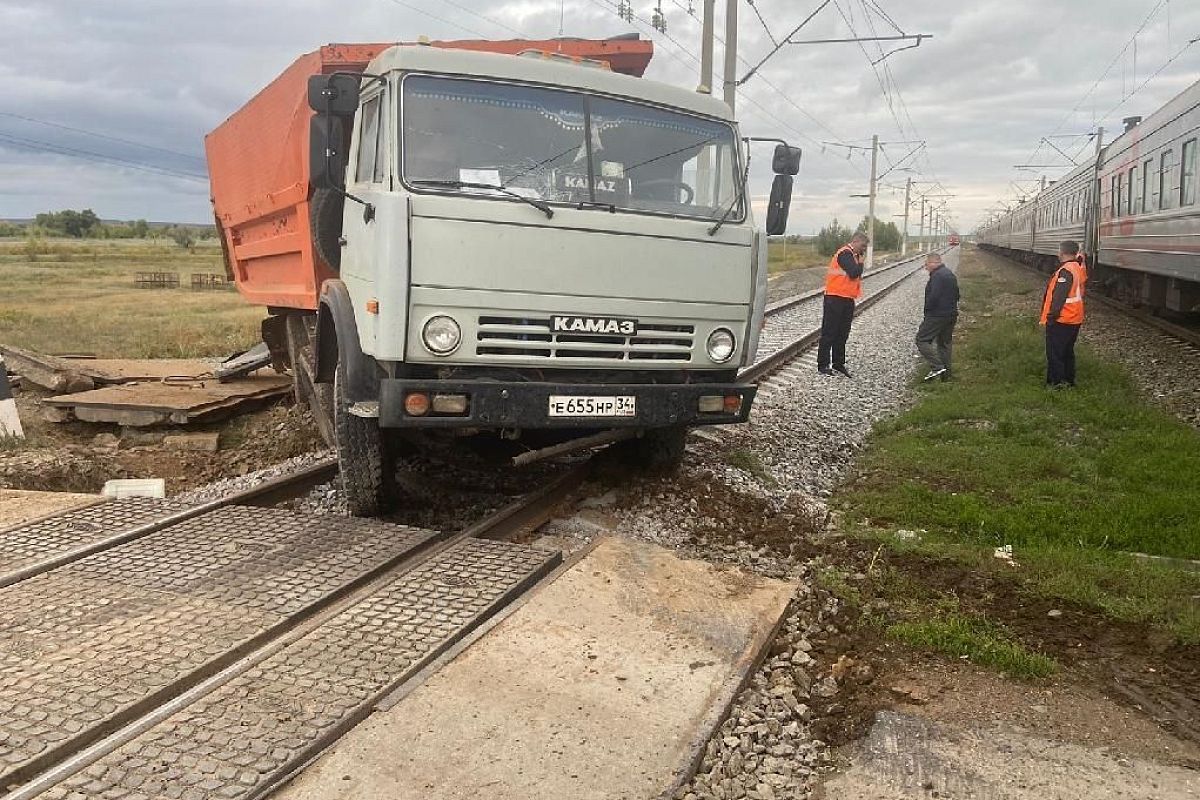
(1072, 310)
(837, 282)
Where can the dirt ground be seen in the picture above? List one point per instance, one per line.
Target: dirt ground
(81, 456)
(1122, 692)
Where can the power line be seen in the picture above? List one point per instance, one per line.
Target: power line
(442, 20)
(88, 155)
(486, 18)
(96, 135)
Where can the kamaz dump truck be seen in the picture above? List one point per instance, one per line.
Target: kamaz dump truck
(524, 243)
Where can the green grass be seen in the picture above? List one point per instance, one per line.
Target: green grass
(981, 641)
(1070, 479)
(781, 257)
(79, 296)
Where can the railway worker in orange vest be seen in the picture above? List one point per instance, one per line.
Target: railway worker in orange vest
(1062, 314)
(843, 285)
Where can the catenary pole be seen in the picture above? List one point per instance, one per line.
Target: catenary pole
(871, 204)
(904, 233)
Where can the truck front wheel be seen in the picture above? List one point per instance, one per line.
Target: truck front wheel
(365, 462)
(656, 450)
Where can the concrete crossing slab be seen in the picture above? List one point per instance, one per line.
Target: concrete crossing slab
(604, 684)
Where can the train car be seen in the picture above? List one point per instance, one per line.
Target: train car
(1149, 221)
(1135, 209)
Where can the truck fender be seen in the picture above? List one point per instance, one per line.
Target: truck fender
(337, 340)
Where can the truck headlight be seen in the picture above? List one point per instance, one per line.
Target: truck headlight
(441, 335)
(721, 345)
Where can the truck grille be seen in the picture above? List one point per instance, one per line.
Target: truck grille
(523, 337)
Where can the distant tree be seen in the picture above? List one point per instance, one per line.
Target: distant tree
(11, 229)
(69, 222)
(183, 237)
(887, 235)
(831, 237)
(141, 228)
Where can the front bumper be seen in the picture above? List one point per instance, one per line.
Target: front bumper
(497, 404)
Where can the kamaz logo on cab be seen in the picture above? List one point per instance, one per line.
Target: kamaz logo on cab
(601, 326)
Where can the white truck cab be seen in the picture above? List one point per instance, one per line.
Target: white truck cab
(536, 246)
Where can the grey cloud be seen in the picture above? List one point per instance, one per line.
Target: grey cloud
(996, 77)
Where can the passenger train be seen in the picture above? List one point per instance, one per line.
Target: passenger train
(1143, 246)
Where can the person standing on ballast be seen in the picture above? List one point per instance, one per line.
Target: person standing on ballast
(843, 285)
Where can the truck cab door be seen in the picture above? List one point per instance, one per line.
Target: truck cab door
(375, 232)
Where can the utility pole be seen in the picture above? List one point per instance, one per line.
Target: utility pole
(731, 10)
(704, 167)
(921, 230)
(871, 204)
(904, 233)
(706, 48)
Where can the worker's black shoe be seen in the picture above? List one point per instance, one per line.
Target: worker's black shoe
(842, 370)
(936, 373)
(825, 370)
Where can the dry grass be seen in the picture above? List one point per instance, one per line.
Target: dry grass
(80, 296)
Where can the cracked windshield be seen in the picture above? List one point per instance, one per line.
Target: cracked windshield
(531, 141)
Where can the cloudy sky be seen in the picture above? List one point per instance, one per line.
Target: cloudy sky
(106, 104)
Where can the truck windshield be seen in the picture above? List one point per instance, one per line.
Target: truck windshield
(532, 141)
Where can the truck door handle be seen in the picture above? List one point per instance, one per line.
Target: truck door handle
(341, 241)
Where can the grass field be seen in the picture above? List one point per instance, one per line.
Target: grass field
(1072, 480)
(79, 296)
(783, 257)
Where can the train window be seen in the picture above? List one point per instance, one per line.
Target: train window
(1187, 182)
(1115, 204)
(1137, 191)
(1166, 174)
(1128, 201)
(1147, 185)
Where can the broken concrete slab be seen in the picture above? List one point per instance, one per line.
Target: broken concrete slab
(55, 374)
(605, 684)
(906, 756)
(209, 442)
(181, 403)
(69, 374)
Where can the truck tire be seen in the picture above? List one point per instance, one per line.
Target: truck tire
(658, 450)
(325, 219)
(364, 463)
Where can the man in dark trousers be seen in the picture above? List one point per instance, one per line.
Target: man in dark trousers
(1062, 314)
(941, 313)
(843, 285)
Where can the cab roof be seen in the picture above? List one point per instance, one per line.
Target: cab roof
(547, 71)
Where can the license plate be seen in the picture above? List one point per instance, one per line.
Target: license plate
(566, 405)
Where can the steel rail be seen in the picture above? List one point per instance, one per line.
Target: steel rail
(764, 367)
(270, 492)
(1188, 336)
(508, 522)
(783, 304)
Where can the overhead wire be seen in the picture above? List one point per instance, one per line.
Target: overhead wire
(98, 135)
(485, 18)
(88, 155)
(443, 20)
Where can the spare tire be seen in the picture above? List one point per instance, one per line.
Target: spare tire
(325, 217)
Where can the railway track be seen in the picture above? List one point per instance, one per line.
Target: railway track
(215, 649)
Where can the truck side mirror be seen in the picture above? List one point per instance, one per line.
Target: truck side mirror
(326, 151)
(779, 205)
(335, 94)
(786, 160)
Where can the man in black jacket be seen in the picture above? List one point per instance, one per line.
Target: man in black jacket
(941, 313)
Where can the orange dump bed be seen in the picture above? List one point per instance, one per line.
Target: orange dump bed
(258, 165)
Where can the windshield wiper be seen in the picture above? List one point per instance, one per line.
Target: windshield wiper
(736, 200)
(451, 184)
